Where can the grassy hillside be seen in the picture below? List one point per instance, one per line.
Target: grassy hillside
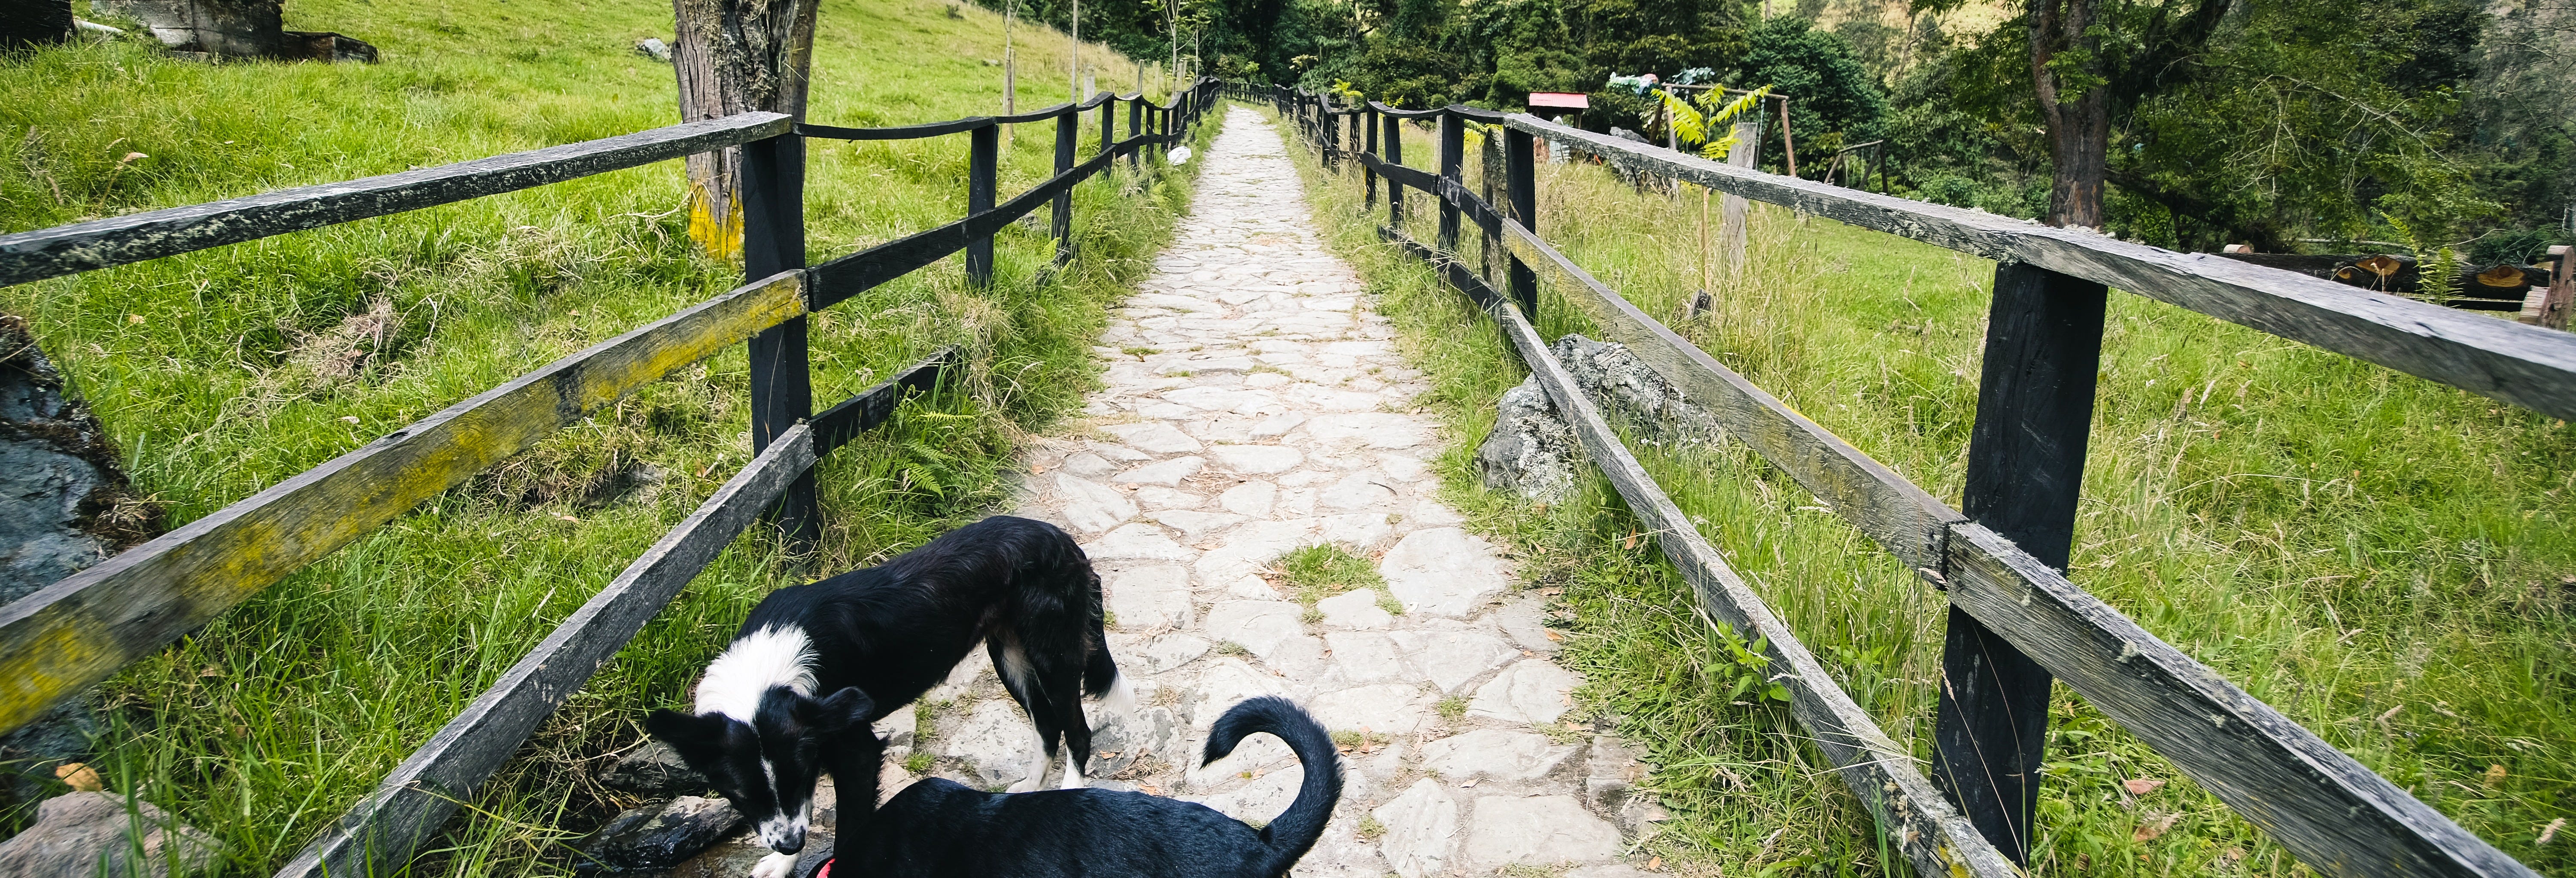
(2386, 560)
(222, 372)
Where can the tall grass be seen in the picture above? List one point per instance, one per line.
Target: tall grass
(2386, 560)
(221, 372)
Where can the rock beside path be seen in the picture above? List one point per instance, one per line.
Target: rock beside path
(83, 835)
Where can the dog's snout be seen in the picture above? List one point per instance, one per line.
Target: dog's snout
(791, 844)
(784, 836)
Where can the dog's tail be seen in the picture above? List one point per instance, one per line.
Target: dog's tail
(1100, 676)
(1296, 829)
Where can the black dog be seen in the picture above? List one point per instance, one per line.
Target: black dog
(940, 829)
(814, 665)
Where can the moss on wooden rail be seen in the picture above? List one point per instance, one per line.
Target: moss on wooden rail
(82, 629)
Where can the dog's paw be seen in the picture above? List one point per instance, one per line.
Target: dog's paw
(1072, 781)
(775, 865)
(1028, 786)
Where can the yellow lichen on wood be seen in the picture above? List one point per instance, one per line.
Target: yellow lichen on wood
(721, 236)
(84, 628)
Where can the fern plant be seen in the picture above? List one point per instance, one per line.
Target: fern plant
(1694, 118)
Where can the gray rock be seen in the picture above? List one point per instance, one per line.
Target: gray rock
(1611, 374)
(1155, 437)
(1354, 609)
(1449, 659)
(655, 770)
(1149, 598)
(654, 48)
(995, 742)
(1120, 742)
(1536, 830)
(82, 835)
(1421, 830)
(1494, 753)
(1443, 572)
(1530, 452)
(1531, 691)
(1385, 708)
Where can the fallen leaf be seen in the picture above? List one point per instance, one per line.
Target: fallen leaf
(1655, 864)
(81, 777)
(132, 157)
(567, 518)
(2495, 776)
(2139, 786)
(134, 318)
(1151, 790)
(351, 420)
(1552, 635)
(2551, 830)
(2148, 830)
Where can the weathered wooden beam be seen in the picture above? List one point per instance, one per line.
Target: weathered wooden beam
(1903, 519)
(44, 253)
(837, 280)
(380, 834)
(866, 409)
(1879, 771)
(2338, 816)
(2519, 364)
(83, 628)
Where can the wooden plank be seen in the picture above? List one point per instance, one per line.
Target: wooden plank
(1879, 771)
(380, 834)
(2520, 364)
(866, 409)
(983, 160)
(2025, 472)
(1903, 519)
(54, 252)
(898, 132)
(1453, 162)
(837, 280)
(2334, 813)
(80, 630)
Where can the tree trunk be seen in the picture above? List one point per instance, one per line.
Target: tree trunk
(736, 56)
(2076, 106)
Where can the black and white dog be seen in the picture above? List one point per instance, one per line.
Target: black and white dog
(815, 665)
(937, 828)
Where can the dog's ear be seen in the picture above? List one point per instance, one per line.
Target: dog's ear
(843, 709)
(685, 732)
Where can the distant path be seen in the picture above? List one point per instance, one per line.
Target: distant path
(1273, 414)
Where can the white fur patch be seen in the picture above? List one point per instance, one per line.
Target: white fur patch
(775, 865)
(756, 662)
(1072, 771)
(1121, 700)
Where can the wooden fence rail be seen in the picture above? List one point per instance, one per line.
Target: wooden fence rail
(82, 629)
(2017, 622)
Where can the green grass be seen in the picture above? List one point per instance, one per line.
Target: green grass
(1314, 573)
(222, 372)
(2341, 540)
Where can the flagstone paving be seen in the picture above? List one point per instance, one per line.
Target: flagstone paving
(1256, 404)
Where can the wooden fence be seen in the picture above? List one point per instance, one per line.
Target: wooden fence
(82, 629)
(2016, 622)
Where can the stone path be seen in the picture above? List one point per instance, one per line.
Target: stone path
(1256, 405)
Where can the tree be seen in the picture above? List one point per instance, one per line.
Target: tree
(2066, 80)
(736, 56)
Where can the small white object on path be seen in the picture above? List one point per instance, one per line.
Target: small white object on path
(1275, 413)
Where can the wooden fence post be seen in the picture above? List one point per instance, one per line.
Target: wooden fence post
(1732, 207)
(1332, 131)
(1135, 128)
(1489, 176)
(1108, 127)
(1368, 122)
(982, 153)
(1394, 155)
(782, 390)
(1062, 224)
(1520, 175)
(2025, 470)
(1453, 160)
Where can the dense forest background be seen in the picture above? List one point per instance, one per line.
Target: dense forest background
(2293, 125)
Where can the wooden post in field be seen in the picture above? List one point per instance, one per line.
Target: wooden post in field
(1135, 126)
(2548, 306)
(1520, 185)
(1453, 160)
(1787, 142)
(1394, 155)
(766, 48)
(983, 154)
(2025, 470)
(1062, 225)
(1368, 175)
(1744, 154)
(1489, 174)
(772, 212)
